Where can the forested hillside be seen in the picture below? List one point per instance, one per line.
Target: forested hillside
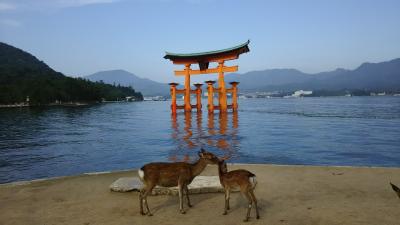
(22, 75)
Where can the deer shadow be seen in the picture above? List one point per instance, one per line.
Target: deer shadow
(240, 204)
(195, 199)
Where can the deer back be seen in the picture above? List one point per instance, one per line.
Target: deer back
(237, 178)
(167, 174)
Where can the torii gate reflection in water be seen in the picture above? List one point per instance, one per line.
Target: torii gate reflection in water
(222, 135)
(203, 59)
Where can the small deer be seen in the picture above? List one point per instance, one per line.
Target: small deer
(243, 179)
(178, 174)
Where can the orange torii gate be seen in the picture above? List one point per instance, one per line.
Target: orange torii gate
(203, 59)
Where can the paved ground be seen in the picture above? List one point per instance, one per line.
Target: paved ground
(287, 195)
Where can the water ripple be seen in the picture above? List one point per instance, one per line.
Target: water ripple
(58, 141)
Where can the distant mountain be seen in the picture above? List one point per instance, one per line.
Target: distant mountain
(145, 86)
(384, 76)
(259, 80)
(23, 75)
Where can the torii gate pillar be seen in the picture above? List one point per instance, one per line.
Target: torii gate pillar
(223, 102)
(188, 106)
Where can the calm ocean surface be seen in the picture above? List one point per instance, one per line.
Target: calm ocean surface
(58, 141)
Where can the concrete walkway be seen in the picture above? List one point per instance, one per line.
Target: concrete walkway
(200, 184)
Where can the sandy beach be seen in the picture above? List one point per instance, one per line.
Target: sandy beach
(286, 194)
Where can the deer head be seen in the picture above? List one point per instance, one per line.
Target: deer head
(208, 157)
(222, 166)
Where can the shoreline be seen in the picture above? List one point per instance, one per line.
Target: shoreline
(19, 105)
(23, 182)
(73, 104)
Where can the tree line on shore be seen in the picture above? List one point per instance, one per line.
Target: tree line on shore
(25, 79)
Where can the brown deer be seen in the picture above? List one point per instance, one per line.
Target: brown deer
(178, 174)
(243, 179)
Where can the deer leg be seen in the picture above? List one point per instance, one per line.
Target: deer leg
(187, 196)
(147, 191)
(227, 193)
(147, 207)
(180, 188)
(141, 201)
(248, 207)
(253, 197)
(227, 200)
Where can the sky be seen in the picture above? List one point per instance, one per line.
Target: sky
(81, 37)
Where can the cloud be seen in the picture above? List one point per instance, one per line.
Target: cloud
(10, 23)
(29, 5)
(77, 3)
(7, 6)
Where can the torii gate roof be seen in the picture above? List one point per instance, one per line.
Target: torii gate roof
(210, 56)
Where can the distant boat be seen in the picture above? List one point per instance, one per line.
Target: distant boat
(301, 93)
(147, 99)
(290, 96)
(159, 98)
(155, 98)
